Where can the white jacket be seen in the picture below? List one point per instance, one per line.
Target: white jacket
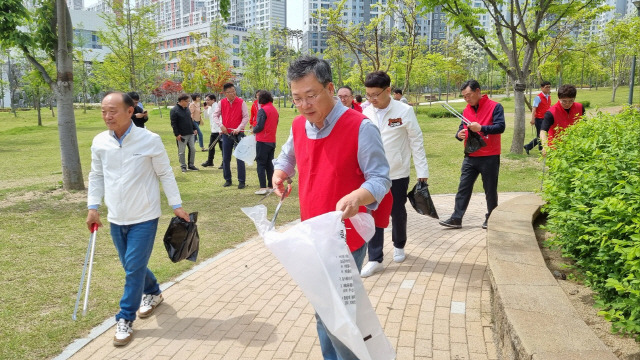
(215, 128)
(401, 138)
(127, 176)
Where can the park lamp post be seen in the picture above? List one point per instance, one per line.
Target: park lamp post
(633, 63)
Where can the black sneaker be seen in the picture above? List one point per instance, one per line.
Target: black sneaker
(527, 149)
(206, 163)
(184, 169)
(241, 185)
(484, 224)
(191, 167)
(227, 183)
(220, 167)
(452, 223)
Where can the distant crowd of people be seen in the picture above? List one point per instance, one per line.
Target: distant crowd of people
(347, 155)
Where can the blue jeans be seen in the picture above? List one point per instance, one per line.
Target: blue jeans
(200, 139)
(332, 348)
(134, 244)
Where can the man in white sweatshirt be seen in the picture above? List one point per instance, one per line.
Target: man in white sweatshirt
(126, 163)
(402, 138)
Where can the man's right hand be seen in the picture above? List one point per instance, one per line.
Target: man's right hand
(179, 137)
(278, 180)
(224, 130)
(462, 134)
(93, 217)
(533, 121)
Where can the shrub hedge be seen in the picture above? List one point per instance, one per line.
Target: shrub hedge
(592, 190)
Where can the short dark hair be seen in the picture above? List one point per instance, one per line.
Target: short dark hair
(126, 99)
(134, 95)
(359, 98)
(183, 96)
(306, 65)
(378, 79)
(228, 85)
(567, 92)
(194, 96)
(472, 84)
(346, 87)
(397, 91)
(264, 97)
(545, 83)
(211, 97)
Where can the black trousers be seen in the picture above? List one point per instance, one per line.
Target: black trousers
(228, 144)
(212, 149)
(489, 168)
(264, 163)
(536, 141)
(399, 189)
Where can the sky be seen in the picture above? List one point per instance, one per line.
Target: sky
(294, 13)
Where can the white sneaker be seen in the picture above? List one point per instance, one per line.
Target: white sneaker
(261, 192)
(398, 255)
(149, 303)
(124, 332)
(371, 268)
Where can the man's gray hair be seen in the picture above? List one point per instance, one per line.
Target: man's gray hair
(306, 65)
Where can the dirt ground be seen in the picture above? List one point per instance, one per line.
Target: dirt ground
(582, 299)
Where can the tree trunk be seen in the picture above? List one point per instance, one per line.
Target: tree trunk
(70, 157)
(519, 127)
(38, 108)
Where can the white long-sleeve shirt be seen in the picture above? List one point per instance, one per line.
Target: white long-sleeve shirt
(127, 175)
(211, 110)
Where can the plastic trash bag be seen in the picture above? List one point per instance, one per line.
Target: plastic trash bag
(246, 150)
(420, 199)
(474, 142)
(182, 240)
(315, 254)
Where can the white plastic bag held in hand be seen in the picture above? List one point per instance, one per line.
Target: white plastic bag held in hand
(315, 254)
(246, 150)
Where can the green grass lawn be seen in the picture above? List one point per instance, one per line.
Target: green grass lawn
(43, 236)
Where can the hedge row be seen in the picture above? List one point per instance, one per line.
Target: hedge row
(592, 190)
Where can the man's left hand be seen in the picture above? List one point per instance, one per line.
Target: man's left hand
(423, 179)
(475, 127)
(179, 212)
(235, 132)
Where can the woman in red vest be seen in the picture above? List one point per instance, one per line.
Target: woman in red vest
(265, 131)
(560, 116)
(541, 104)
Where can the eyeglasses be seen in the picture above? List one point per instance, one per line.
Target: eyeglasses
(309, 100)
(373, 97)
(567, 101)
(342, 97)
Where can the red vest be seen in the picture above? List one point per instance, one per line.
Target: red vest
(544, 105)
(355, 106)
(382, 213)
(231, 113)
(562, 120)
(268, 133)
(328, 169)
(253, 117)
(484, 117)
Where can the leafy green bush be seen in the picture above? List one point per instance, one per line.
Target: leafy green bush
(592, 190)
(586, 103)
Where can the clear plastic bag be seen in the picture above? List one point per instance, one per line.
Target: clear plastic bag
(315, 254)
(246, 150)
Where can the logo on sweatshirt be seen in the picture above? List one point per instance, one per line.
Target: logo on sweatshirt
(395, 122)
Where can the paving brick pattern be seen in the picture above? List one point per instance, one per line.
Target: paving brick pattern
(434, 305)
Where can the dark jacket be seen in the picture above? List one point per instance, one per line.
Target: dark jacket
(139, 122)
(181, 121)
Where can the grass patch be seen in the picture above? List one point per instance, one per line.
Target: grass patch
(44, 237)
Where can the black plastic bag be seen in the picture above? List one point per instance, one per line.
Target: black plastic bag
(474, 142)
(420, 199)
(182, 240)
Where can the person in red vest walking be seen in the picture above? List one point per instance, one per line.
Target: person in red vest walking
(345, 94)
(232, 117)
(560, 116)
(340, 160)
(541, 104)
(265, 131)
(487, 119)
(253, 116)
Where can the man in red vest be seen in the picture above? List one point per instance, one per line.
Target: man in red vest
(487, 119)
(345, 94)
(541, 104)
(340, 160)
(234, 117)
(560, 116)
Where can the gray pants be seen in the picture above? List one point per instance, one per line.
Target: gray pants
(188, 140)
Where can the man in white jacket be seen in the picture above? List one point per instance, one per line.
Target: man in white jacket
(211, 105)
(402, 138)
(126, 163)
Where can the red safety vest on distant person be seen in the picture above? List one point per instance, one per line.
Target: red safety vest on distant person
(253, 116)
(562, 119)
(268, 133)
(231, 113)
(328, 169)
(543, 107)
(484, 117)
(355, 106)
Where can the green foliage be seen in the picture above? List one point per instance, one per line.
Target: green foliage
(592, 191)
(255, 61)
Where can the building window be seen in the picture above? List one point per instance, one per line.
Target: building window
(236, 63)
(236, 39)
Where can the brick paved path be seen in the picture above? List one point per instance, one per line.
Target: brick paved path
(434, 305)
